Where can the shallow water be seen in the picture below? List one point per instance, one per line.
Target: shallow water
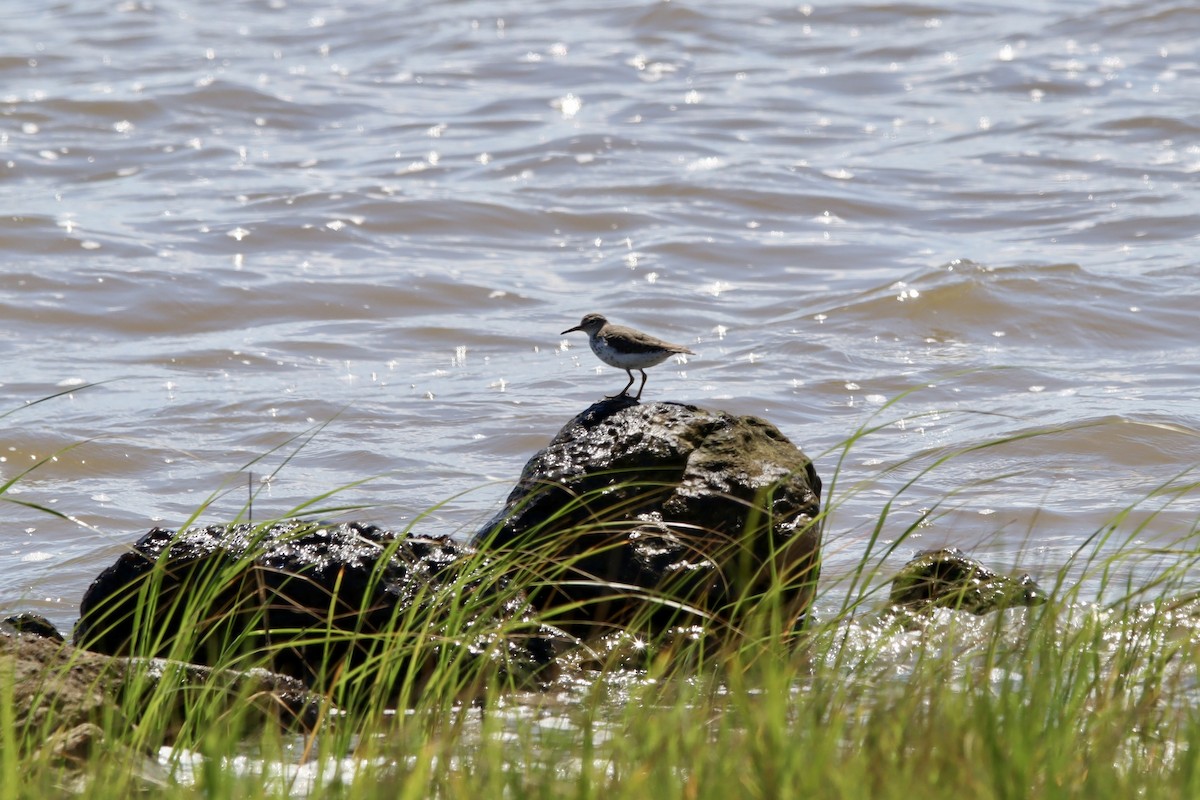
(329, 242)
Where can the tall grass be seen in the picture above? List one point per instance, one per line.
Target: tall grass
(1089, 695)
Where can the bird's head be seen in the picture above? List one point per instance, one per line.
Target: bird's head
(589, 324)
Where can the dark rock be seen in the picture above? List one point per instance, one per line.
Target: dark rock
(274, 697)
(659, 515)
(949, 578)
(32, 624)
(315, 601)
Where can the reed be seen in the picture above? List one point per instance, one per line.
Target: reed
(1092, 694)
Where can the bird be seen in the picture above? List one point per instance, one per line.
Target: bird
(625, 348)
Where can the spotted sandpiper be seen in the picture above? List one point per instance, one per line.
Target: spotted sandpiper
(625, 348)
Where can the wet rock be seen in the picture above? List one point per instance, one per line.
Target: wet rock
(652, 516)
(681, 648)
(949, 578)
(33, 624)
(314, 601)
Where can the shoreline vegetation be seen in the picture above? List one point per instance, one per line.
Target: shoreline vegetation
(1092, 693)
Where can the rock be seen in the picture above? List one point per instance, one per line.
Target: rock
(680, 649)
(315, 601)
(653, 516)
(56, 687)
(949, 578)
(34, 624)
(66, 701)
(72, 750)
(76, 745)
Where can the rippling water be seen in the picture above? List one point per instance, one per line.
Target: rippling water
(328, 242)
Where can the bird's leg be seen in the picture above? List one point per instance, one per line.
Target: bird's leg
(643, 386)
(623, 392)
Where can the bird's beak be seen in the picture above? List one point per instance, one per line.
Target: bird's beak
(568, 330)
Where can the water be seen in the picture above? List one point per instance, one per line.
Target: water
(324, 242)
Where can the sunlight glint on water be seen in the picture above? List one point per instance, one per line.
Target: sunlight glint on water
(249, 225)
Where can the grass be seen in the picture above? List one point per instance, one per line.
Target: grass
(1088, 695)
